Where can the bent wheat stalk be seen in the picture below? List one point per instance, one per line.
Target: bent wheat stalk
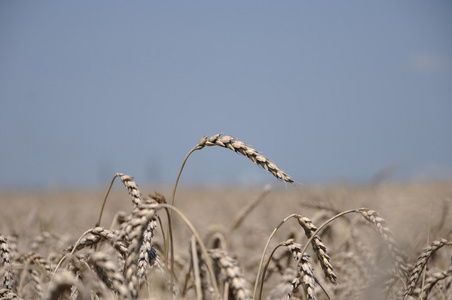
(261, 271)
(227, 141)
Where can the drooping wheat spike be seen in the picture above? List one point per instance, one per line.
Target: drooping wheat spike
(380, 224)
(319, 248)
(422, 261)
(108, 273)
(8, 278)
(134, 230)
(240, 288)
(96, 235)
(227, 141)
(132, 188)
(433, 280)
(305, 274)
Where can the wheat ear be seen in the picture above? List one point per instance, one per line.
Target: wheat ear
(8, 279)
(132, 188)
(227, 141)
(433, 280)
(305, 272)
(94, 236)
(108, 273)
(422, 261)
(319, 248)
(146, 250)
(35, 266)
(137, 225)
(6, 294)
(380, 224)
(240, 288)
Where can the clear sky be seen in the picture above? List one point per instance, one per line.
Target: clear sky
(328, 90)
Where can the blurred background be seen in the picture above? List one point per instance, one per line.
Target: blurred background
(350, 91)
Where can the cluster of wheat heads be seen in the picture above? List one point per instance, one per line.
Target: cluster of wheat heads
(126, 261)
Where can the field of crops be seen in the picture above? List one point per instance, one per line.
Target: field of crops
(272, 242)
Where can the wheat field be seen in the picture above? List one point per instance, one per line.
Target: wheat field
(284, 241)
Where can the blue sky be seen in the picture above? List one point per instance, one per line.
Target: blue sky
(327, 90)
